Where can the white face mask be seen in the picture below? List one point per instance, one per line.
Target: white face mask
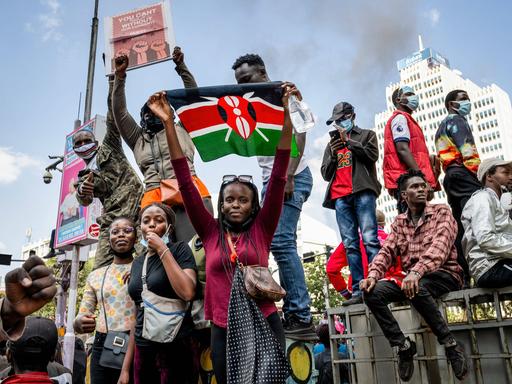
(506, 200)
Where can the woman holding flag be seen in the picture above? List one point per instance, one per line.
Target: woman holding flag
(242, 232)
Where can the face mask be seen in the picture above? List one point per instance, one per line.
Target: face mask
(464, 107)
(152, 124)
(347, 124)
(149, 122)
(412, 102)
(86, 151)
(165, 238)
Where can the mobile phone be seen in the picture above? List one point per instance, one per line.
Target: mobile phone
(334, 134)
(83, 172)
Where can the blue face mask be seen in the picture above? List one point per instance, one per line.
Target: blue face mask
(464, 107)
(412, 102)
(347, 124)
(165, 239)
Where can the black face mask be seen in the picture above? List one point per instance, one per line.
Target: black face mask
(149, 122)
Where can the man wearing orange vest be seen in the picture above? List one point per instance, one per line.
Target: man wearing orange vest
(404, 144)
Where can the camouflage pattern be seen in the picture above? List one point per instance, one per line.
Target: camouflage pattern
(116, 184)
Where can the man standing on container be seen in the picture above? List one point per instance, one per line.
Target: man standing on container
(404, 144)
(349, 167)
(250, 68)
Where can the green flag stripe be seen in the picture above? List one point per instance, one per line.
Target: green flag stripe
(211, 146)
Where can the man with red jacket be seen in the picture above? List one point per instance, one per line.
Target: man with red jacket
(404, 144)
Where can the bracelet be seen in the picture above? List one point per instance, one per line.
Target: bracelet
(416, 273)
(163, 253)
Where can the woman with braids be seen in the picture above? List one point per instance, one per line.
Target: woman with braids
(241, 221)
(106, 290)
(167, 268)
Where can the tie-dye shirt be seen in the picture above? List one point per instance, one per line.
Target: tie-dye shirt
(118, 304)
(455, 143)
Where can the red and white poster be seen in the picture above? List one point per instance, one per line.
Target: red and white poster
(74, 221)
(145, 35)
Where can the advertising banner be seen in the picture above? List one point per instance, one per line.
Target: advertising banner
(145, 35)
(76, 224)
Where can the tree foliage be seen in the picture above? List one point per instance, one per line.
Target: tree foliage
(315, 281)
(49, 309)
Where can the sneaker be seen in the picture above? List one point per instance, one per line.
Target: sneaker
(457, 358)
(298, 330)
(406, 359)
(354, 300)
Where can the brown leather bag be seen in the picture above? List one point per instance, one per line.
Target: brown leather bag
(258, 280)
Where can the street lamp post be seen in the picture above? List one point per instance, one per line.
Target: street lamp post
(92, 60)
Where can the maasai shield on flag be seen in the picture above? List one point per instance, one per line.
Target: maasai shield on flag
(244, 119)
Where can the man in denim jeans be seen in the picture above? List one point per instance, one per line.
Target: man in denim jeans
(250, 68)
(349, 167)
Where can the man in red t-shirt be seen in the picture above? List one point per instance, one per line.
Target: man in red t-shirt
(349, 167)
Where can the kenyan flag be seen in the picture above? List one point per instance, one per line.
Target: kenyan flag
(244, 119)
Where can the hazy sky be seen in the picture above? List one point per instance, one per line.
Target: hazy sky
(334, 50)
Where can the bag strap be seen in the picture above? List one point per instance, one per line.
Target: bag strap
(233, 256)
(144, 280)
(102, 299)
(144, 273)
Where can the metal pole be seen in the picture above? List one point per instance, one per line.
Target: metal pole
(92, 60)
(69, 337)
(328, 252)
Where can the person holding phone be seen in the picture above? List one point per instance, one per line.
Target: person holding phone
(349, 167)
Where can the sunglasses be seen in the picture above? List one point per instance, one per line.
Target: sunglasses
(240, 178)
(125, 230)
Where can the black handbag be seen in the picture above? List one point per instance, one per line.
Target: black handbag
(253, 353)
(116, 342)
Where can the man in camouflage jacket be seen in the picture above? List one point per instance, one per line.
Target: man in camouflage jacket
(109, 177)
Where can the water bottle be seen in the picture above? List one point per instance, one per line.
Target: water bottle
(302, 117)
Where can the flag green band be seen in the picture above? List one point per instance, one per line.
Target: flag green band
(212, 145)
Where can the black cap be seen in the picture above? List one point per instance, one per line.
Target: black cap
(339, 110)
(39, 337)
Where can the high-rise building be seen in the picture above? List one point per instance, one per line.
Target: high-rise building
(430, 75)
(40, 248)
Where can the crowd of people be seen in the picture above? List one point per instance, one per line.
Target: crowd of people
(140, 298)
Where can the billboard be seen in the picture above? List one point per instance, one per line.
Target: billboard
(76, 224)
(145, 35)
(426, 54)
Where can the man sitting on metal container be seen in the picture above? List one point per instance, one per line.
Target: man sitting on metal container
(424, 239)
(487, 237)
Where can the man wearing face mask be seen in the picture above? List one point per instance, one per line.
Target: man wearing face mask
(404, 144)
(487, 239)
(459, 158)
(109, 177)
(149, 146)
(349, 167)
